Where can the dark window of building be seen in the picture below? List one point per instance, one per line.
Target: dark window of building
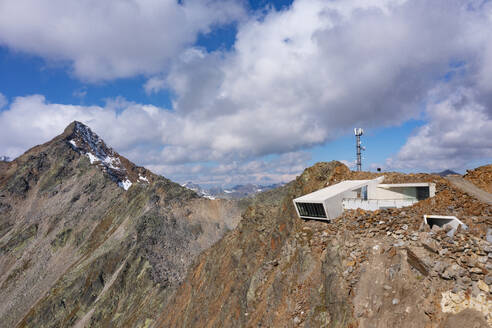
(438, 221)
(422, 193)
(314, 210)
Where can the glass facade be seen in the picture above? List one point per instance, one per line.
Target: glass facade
(314, 210)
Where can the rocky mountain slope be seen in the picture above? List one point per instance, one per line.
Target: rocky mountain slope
(366, 269)
(481, 177)
(89, 239)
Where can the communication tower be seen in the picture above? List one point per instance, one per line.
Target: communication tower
(358, 133)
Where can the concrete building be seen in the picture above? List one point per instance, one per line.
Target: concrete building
(330, 202)
(442, 220)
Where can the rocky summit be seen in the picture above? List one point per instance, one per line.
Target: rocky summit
(481, 177)
(88, 239)
(366, 269)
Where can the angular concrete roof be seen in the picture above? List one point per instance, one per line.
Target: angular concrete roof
(336, 189)
(410, 184)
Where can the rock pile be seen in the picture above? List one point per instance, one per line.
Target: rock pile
(481, 177)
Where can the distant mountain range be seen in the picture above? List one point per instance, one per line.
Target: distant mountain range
(235, 192)
(4, 159)
(247, 190)
(446, 172)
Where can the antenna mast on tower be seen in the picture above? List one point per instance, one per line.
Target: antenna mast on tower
(358, 132)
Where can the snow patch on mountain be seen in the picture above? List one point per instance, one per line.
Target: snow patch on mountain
(112, 162)
(92, 158)
(125, 184)
(91, 145)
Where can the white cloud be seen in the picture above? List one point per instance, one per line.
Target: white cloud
(112, 38)
(154, 85)
(459, 131)
(137, 132)
(303, 76)
(31, 120)
(80, 93)
(293, 79)
(3, 101)
(350, 164)
(283, 168)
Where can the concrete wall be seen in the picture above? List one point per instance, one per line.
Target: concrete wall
(432, 190)
(351, 194)
(334, 206)
(375, 204)
(372, 189)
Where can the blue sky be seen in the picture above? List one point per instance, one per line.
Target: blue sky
(23, 74)
(235, 92)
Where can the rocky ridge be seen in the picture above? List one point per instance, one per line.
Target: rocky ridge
(366, 269)
(481, 177)
(80, 248)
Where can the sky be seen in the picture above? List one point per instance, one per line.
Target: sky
(234, 91)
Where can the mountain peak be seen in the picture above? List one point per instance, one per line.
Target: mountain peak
(81, 137)
(86, 142)
(73, 127)
(446, 173)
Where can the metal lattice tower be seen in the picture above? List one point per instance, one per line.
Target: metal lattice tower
(358, 133)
